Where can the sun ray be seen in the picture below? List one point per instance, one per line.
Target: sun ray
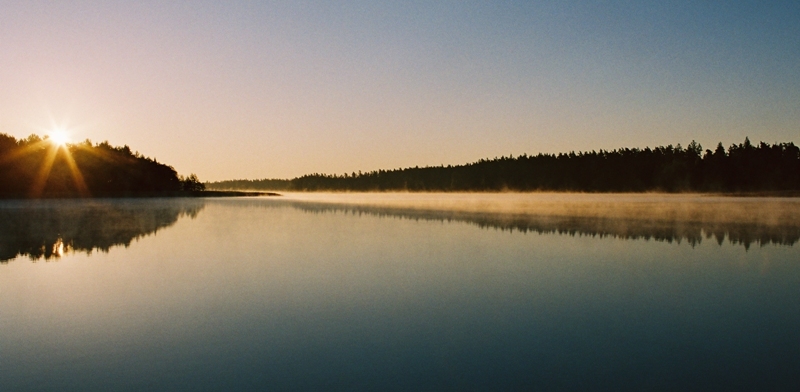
(77, 177)
(24, 151)
(44, 172)
(40, 182)
(97, 153)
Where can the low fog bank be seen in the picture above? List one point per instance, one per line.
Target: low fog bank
(663, 217)
(651, 207)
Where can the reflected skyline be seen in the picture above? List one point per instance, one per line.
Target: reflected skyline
(49, 229)
(692, 232)
(746, 223)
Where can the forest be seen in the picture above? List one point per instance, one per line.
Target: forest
(36, 167)
(743, 167)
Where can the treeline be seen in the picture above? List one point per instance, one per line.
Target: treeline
(251, 185)
(743, 167)
(35, 167)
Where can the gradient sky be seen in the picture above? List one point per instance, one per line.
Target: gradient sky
(279, 89)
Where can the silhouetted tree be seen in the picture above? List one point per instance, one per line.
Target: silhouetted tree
(742, 168)
(35, 167)
(192, 184)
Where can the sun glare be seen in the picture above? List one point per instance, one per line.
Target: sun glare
(59, 137)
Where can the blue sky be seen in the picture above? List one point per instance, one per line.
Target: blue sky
(280, 89)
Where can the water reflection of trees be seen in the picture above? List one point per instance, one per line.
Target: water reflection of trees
(776, 227)
(48, 229)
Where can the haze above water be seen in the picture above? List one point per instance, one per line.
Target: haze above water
(401, 292)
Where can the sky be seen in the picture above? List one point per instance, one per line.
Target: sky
(261, 89)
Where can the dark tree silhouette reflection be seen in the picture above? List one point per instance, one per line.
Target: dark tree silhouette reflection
(48, 229)
(668, 230)
(778, 224)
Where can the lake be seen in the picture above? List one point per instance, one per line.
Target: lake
(555, 292)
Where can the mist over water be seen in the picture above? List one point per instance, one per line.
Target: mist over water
(663, 217)
(404, 292)
(695, 207)
(47, 229)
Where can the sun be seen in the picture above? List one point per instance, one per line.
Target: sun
(59, 137)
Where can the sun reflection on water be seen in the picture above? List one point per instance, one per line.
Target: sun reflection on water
(60, 248)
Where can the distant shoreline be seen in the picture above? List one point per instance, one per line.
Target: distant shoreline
(761, 194)
(742, 169)
(251, 193)
(213, 193)
(791, 193)
(175, 194)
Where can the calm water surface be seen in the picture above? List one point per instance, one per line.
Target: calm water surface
(308, 294)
